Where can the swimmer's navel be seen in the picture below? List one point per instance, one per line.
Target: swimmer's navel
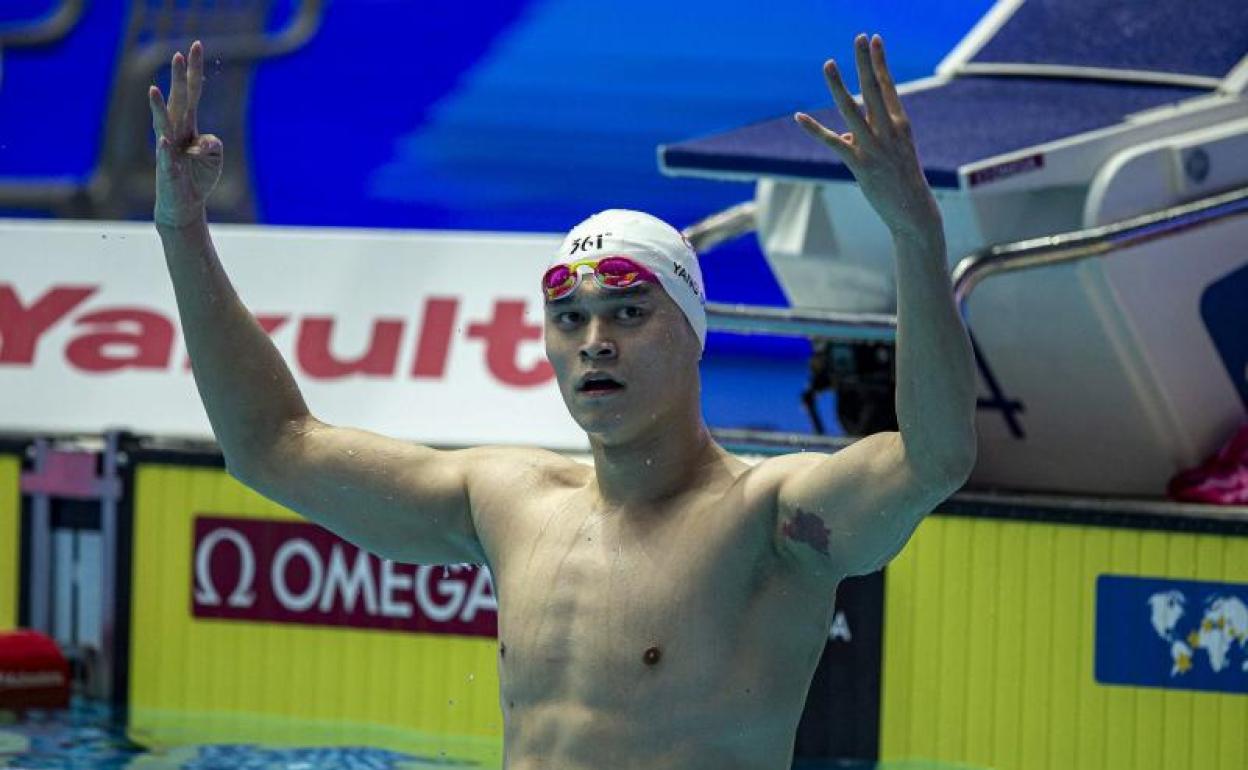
(652, 656)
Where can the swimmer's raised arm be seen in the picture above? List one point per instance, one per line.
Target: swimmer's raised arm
(853, 511)
(935, 368)
(247, 391)
(396, 499)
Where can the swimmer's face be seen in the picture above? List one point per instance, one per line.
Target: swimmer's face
(639, 340)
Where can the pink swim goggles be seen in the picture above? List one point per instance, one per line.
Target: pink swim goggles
(614, 272)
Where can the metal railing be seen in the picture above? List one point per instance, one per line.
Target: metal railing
(966, 276)
(749, 441)
(235, 36)
(725, 225)
(969, 273)
(48, 28)
(1094, 241)
(800, 322)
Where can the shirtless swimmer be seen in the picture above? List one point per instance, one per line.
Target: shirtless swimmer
(666, 608)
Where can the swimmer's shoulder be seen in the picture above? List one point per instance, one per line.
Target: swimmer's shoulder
(507, 484)
(758, 482)
(509, 471)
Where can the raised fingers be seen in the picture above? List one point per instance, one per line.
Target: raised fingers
(178, 95)
(843, 144)
(888, 90)
(194, 86)
(877, 113)
(844, 102)
(160, 114)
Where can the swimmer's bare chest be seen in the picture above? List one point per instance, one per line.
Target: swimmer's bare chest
(668, 637)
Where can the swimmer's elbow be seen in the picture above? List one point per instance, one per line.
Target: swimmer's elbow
(946, 468)
(237, 471)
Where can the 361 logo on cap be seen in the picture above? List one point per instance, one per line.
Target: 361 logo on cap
(584, 243)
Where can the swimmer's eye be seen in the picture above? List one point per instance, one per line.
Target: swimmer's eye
(568, 318)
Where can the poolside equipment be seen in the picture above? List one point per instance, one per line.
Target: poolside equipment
(33, 672)
(1090, 160)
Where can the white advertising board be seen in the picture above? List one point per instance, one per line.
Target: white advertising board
(433, 337)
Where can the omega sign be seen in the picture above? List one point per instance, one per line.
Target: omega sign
(294, 572)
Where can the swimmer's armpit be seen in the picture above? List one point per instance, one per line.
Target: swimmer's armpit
(804, 527)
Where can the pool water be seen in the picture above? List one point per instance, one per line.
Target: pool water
(92, 736)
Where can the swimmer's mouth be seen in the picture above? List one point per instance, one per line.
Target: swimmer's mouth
(598, 382)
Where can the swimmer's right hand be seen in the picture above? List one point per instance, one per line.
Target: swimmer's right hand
(188, 164)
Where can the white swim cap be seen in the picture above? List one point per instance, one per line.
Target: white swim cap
(651, 242)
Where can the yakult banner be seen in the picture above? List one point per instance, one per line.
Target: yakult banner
(427, 336)
(292, 572)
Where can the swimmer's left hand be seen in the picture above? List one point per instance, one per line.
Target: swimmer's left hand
(879, 148)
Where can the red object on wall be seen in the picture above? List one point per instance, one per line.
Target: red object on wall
(33, 672)
(1222, 479)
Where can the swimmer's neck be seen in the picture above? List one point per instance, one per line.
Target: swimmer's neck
(654, 466)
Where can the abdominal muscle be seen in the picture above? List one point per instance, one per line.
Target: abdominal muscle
(662, 639)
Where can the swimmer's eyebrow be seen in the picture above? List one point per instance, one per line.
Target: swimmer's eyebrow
(632, 292)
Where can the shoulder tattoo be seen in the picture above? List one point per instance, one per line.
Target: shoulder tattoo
(806, 527)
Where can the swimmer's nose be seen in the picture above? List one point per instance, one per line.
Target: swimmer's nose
(598, 345)
(598, 350)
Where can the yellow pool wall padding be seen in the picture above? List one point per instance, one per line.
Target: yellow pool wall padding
(403, 688)
(10, 538)
(989, 650)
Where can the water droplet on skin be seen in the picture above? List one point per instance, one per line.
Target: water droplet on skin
(471, 677)
(351, 452)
